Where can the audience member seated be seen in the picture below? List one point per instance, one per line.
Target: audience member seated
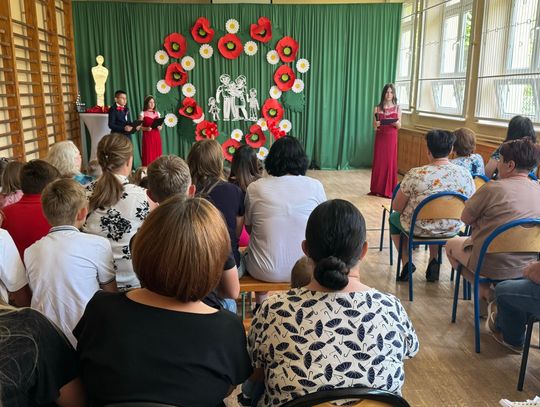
(13, 282)
(336, 331)
(66, 157)
(168, 176)
(94, 169)
(518, 127)
(464, 147)
(62, 284)
(440, 175)
(160, 343)
(11, 184)
(24, 220)
(138, 176)
(117, 208)
(277, 209)
(511, 197)
(301, 273)
(245, 169)
(516, 301)
(39, 366)
(3, 164)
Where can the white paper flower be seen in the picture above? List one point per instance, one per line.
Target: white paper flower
(187, 63)
(298, 86)
(161, 57)
(237, 134)
(302, 65)
(262, 153)
(250, 48)
(272, 57)
(275, 93)
(200, 119)
(262, 123)
(285, 125)
(206, 51)
(171, 120)
(188, 90)
(232, 26)
(162, 87)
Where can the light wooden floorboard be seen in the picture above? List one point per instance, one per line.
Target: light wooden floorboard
(446, 371)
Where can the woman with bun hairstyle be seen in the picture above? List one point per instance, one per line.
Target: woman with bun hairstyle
(341, 333)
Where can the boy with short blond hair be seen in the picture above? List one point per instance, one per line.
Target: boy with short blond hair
(168, 175)
(66, 267)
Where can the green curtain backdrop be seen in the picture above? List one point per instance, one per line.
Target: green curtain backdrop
(352, 50)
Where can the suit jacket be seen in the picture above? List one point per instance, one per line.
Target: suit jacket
(118, 119)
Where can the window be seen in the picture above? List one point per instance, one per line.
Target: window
(444, 56)
(509, 77)
(405, 56)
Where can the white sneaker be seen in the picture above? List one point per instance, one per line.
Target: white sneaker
(508, 403)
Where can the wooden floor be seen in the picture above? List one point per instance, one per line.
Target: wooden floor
(446, 371)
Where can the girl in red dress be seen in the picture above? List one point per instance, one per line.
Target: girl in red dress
(151, 139)
(387, 121)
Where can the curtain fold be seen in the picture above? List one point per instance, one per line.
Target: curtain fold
(352, 50)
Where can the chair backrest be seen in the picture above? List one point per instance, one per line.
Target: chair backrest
(394, 192)
(479, 180)
(442, 205)
(352, 393)
(533, 176)
(517, 236)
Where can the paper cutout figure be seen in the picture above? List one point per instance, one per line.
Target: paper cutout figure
(226, 89)
(235, 96)
(253, 105)
(240, 88)
(100, 74)
(213, 108)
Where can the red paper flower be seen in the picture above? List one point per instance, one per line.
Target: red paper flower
(272, 110)
(262, 31)
(190, 109)
(287, 48)
(284, 78)
(229, 148)
(230, 46)
(206, 130)
(201, 31)
(176, 45)
(175, 75)
(256, 137)
(277, 133)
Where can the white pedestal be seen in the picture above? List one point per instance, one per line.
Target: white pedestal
(98, 126)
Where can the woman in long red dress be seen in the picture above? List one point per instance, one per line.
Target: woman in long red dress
(151, 139)
(387, 121)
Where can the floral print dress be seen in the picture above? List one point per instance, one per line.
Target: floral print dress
(119, 223)
(308, 341)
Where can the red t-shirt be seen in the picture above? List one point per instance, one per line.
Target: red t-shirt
(25, 222)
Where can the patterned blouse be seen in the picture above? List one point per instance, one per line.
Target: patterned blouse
(421, 182)
(308, 341)
(474, 163)
(119, 223)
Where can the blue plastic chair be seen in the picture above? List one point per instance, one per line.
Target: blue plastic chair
(388, 209)
(512, 240)
(533, 176)
(351, 393)
(445, 211)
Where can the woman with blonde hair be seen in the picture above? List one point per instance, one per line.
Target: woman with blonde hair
(117, 208)
(178, 255)
(205, 161)
(39, 366)
(11, 184)
(66, 157)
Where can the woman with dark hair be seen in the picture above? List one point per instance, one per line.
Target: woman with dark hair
(161, 343)
(513, 196)
(277, 209)
(518, 127)
(419, 183)
(341, 333)
(387, 122)
(151, 138)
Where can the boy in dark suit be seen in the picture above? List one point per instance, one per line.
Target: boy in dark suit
(119, 115)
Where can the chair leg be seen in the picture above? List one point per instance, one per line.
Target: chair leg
(391, 248)
(243, 305)
(456, 294)
(399, 256)
(525, 356)
(476, 318)
(465, 287)
(383, 226)
(411, 239)
(452, 274)
(439, 254)
(469, 290)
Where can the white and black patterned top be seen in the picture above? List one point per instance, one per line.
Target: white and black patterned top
(308, 341)
(119, 223)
